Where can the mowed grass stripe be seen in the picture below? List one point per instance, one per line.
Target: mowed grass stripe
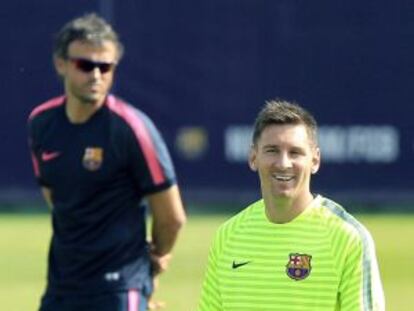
(24, 240)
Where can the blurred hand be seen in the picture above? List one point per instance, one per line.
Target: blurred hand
(152, 304)
(159, 263)
(156, 305)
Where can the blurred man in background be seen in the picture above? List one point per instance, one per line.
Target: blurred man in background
(291, 250)
(97, 158)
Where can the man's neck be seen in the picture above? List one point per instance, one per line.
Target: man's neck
(284, 210)
(78, 112)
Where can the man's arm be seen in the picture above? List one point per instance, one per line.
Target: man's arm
(361, 287)
(168, 216)
(47, 195)
(210, 297)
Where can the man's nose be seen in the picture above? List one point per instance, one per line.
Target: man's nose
(283, 161)
(96, 73)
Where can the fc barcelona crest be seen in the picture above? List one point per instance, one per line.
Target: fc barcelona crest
(298, 266)
(92, 158)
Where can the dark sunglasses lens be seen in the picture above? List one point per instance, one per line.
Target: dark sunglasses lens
(104, 68)
(84, 65)
(87, 66)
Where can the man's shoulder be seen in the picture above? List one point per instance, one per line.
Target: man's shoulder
(123, 108)
(337, 218)
(46, 108)
(128, 115)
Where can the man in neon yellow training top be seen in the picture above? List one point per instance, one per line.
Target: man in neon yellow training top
(291, 250)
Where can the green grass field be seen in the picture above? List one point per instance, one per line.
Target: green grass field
(24, 241)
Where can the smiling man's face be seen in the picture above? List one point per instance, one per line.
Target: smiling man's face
(285, 157)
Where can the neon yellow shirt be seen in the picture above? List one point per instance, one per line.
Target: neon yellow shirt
(324, 259)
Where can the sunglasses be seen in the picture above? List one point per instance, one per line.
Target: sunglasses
(87, 66)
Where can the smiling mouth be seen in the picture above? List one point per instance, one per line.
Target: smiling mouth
(283, 178)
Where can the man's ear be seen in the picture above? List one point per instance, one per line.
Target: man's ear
(316, 160)
(60, 66)
(252, 159)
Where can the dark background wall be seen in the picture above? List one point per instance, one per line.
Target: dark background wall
(203, 69)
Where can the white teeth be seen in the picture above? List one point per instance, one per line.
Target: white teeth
(283, 178)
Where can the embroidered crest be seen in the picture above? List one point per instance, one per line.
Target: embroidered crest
(92, 158)
(298, 266)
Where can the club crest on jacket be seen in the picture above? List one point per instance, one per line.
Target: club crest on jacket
(298, 266)
(92, 158)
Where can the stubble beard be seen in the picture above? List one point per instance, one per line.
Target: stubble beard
(88, 99)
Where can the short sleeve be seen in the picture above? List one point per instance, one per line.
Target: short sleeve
(210, 299)
(34, 151)
(361, 287)
(149, 159)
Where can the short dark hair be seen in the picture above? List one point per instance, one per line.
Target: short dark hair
(283, 112)
(89, 28)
